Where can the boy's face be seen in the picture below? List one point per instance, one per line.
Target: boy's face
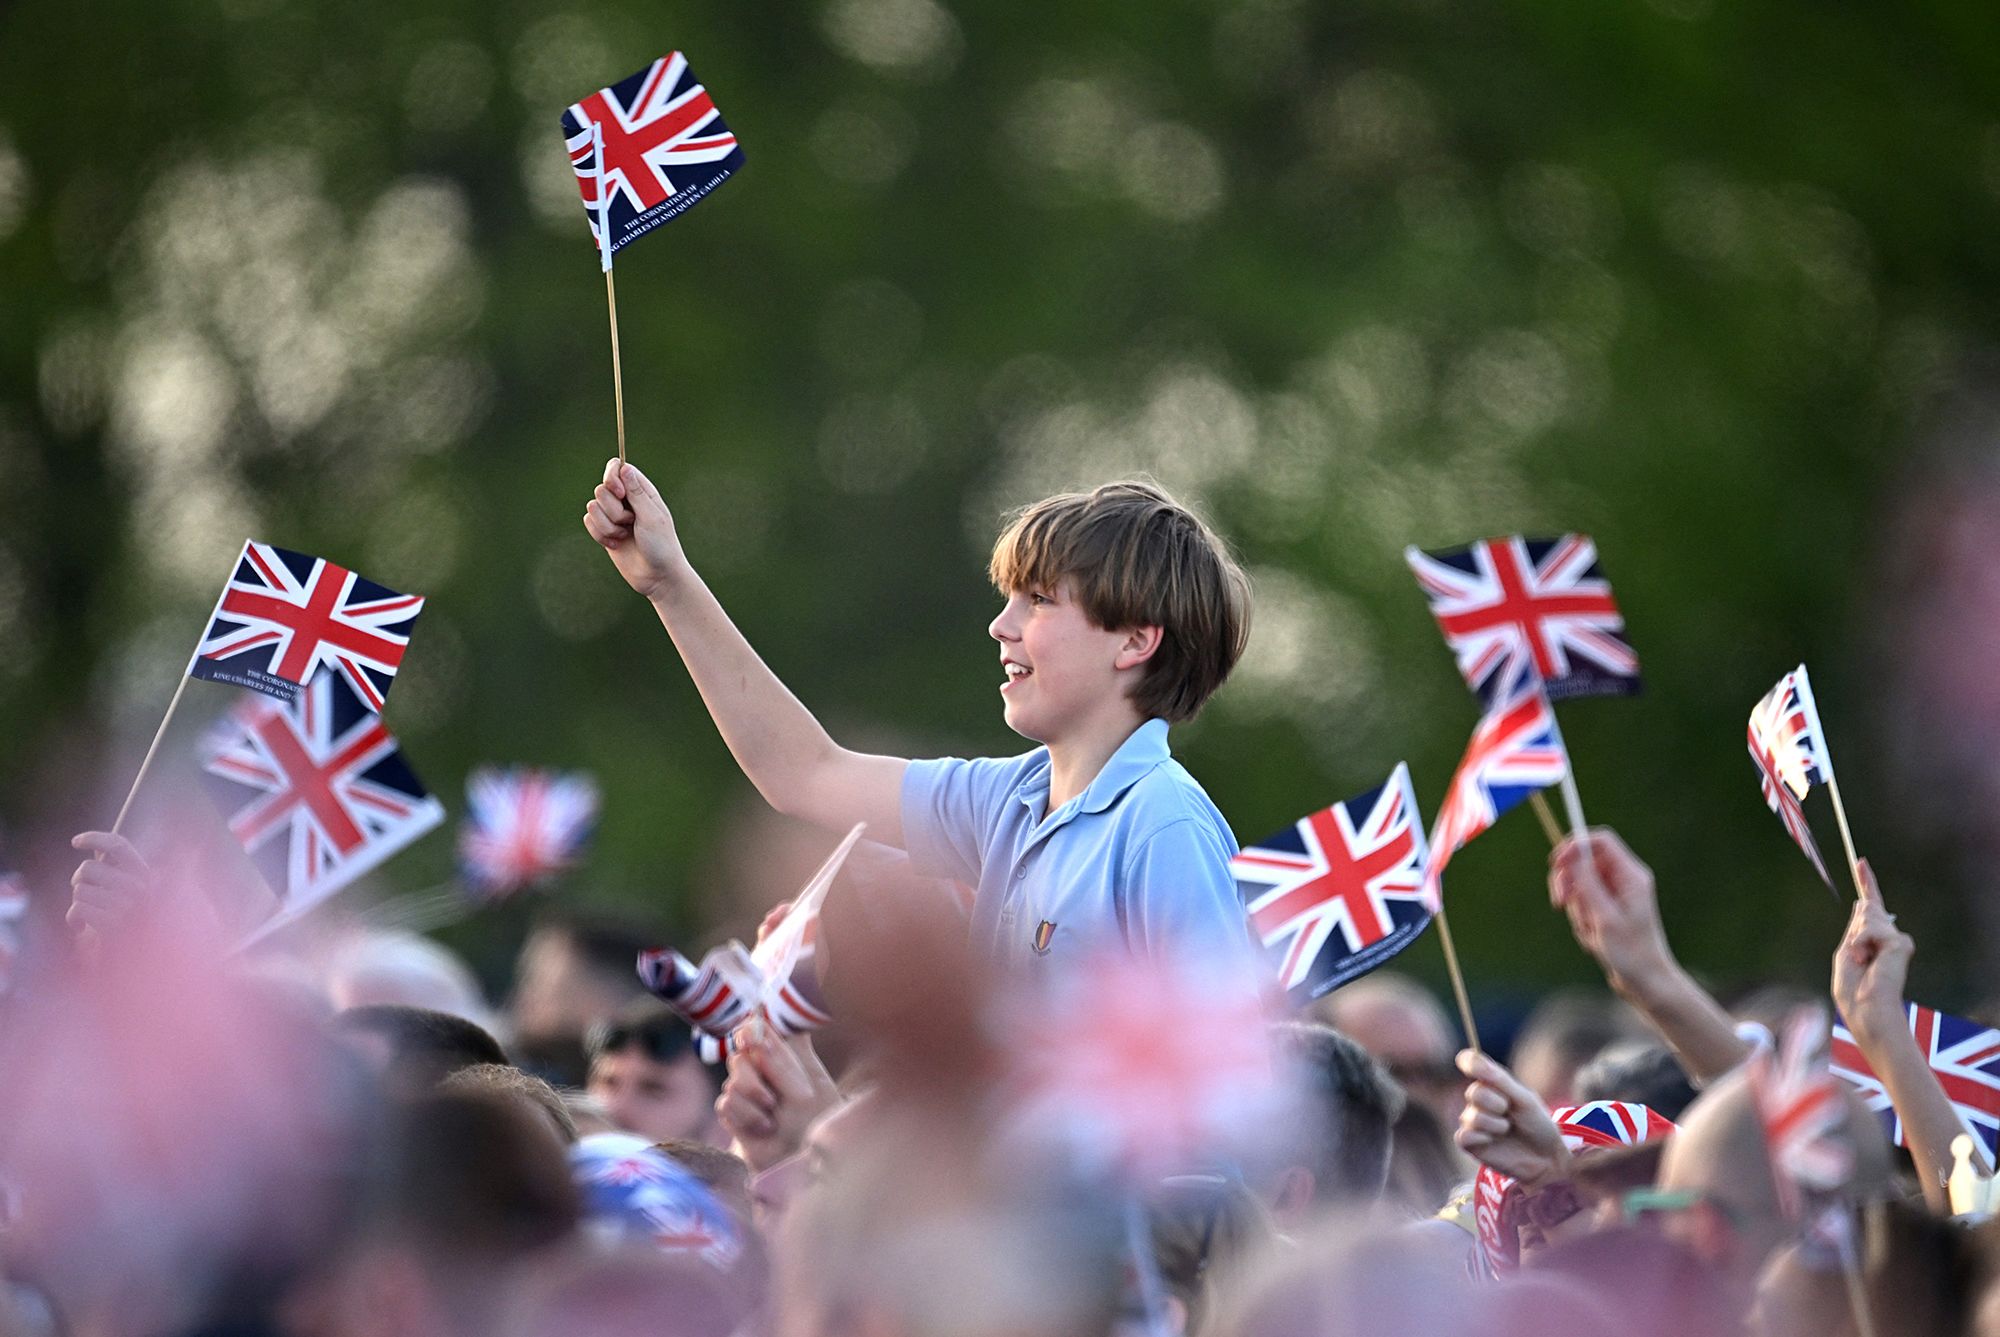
(1064, 674)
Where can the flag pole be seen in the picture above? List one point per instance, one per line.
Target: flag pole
(1547, 818)
(610, 287)
(1457, 981)
(1846, 836)
(125, 809)
(1850, 1271)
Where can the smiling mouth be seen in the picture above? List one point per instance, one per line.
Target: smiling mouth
(1015, 673)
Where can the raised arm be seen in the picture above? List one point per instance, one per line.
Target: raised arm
(795, 765)
(1868, 975)
(1613, 911)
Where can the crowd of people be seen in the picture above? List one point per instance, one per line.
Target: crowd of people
(349, 1140)
(1061, 1094)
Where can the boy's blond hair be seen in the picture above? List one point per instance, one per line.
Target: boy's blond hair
(1134, 557)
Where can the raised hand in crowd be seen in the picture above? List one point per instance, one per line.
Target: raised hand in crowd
(775, 1089)
(1504, 1125)
(112, 892)
(1869, 971)
(1614, 913)
(627, 515)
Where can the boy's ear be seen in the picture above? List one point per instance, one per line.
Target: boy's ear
(1138, 646)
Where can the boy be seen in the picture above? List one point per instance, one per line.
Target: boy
(1124, 613)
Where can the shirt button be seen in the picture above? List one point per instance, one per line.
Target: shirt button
(1020, 874)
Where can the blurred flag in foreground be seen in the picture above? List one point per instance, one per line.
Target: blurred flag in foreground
(645, 150)
(283, 616)
(1789, 747)
(317, 792)
(1963, 1055)
(522, 826)
(1143, 1066)
(13, 913)
(1799, 1104)
(633, 1193)
(1515, 750)
(1515, 609)
(1341, 891)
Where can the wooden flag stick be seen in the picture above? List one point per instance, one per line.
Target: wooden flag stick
(1846, 836)
(1457, 981)
(1857, 1294)
(1547, 818)
(617, 369)
(125, 810)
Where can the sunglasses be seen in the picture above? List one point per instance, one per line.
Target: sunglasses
(660, 1044)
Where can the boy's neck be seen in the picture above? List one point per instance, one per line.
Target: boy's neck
(1075, 760)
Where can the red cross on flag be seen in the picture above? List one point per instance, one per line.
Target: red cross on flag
(647, 149)
(284, 616)
(316, 791)
(1519, 608)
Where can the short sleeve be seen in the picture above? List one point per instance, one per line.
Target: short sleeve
(951, 808)
(1179, 896)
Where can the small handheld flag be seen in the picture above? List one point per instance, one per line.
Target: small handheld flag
(1513, 608)
(632, 1193)
(1798, 1102)
(317, 791)
(648, 148)
(733, 985)
(284, 616)
(1584, 1128)
(1516, 750)
(1788, 746)
(1963, 1055)
(1341, 891)
(522, 827)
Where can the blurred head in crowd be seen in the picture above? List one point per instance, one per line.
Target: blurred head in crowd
(503, 1081)
(1425, 1166)
(1204, 1228)
(413, 1048)
(1564, 1032)
(1401, 1023)
(576, 968)
(472, 1188)
(1350, 1106)
(623, 1292)
(1718, 1196)
(1638, 1073)
(723, 1173)
(383, 967)
(644, 1069)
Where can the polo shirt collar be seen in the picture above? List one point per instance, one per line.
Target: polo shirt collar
(1144, 749)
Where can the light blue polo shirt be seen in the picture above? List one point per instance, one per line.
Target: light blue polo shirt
(1138, 862)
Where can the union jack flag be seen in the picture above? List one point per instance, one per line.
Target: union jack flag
(1964, 1056)
(715, 997)
(633, 1193)
(1341, 891)
(283, 616)
(1584, 1128)
(1514, 607)
(1091, 1069)
(522, 826)
(1789, 749)
(660, 144)
(317, 791)
(13, 913)
(1798, 1102)
(1515, 750)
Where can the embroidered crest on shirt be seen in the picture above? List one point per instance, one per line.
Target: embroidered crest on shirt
(1045, 933)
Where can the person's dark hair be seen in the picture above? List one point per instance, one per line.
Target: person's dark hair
(507, 1082)
(607, 940)
(1203, 1228)
(725, 1173)
(653, 1028)
(425, 1047)
(1353, 1106)
(1643, 1074)
(1424, 1167)
(474, 1179)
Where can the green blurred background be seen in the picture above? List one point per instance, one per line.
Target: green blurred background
(1713, 281)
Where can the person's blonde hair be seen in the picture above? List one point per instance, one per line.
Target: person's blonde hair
(1132, 556)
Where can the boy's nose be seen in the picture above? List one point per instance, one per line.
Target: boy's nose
(1001, 628)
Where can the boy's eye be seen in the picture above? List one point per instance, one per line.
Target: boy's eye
(1037, 598)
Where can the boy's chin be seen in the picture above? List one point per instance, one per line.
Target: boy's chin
(1023, 723)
